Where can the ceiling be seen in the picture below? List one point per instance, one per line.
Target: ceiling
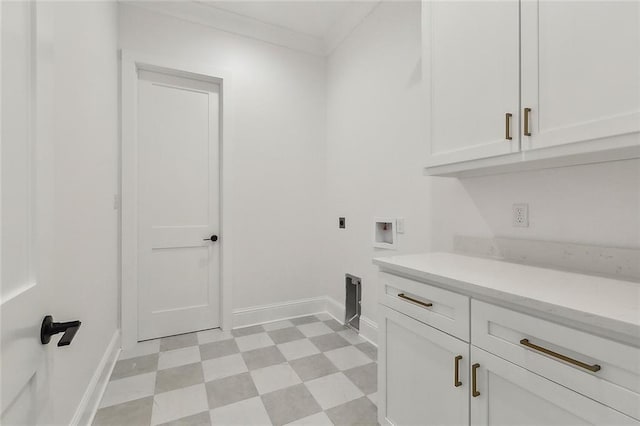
(314, 26)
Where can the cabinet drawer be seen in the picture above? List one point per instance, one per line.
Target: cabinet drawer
(423, 373)
(601, 369)
(442, 309)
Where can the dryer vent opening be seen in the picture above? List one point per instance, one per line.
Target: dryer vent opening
(353, 295)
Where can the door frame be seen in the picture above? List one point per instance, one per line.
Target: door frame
(131, 62)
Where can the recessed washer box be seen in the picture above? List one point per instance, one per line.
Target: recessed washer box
(385, 234)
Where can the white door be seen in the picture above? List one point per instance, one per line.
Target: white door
(471, 69)
(25, 213)
(418, 384)
(178, 205)
(509, 395)
(580, 70)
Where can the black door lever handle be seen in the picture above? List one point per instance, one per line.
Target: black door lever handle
(213, 238)
(49, 328)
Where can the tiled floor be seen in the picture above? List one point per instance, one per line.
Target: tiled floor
(304, 371)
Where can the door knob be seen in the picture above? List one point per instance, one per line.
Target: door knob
(213, 238)
(49, 328)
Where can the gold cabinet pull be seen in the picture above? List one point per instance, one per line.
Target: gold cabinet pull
(456, 376)
(527, 113)
(474, 391)
(410, 299)
(593, 368)
(507, 126)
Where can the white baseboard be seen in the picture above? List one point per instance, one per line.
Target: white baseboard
(278, 311)
(93, 394)
(295, 308)
(369, 329)
(335, 309)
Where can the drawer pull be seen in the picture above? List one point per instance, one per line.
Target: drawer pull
(474, 390)
(593, 368)
(507, 130)
(456, 378)
(425, 304)
(527, 113)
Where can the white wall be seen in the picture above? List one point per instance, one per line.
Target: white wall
(278, 144)
(85, 225)
(376, 151)
(291, 183)
(597, 204)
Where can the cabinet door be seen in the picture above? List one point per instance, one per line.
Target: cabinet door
(580, 71)
(417, 374)
(471, 73)
(509, 395)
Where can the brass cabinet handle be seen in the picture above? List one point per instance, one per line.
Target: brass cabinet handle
(425, 304)
(456, 377)
(527, 113)
(593, 368)
(474, 391)
(507, 126)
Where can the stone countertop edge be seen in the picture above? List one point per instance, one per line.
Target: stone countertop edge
(609, 324)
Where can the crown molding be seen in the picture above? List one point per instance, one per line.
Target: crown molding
(234, 23)
(223, 20)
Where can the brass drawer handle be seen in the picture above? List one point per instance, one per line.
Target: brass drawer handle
(527, 113)
(474, 391)
(456, 378)
(507, 126)
(425, 304)
(593, 368)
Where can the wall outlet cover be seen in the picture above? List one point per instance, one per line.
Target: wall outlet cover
(521, 215)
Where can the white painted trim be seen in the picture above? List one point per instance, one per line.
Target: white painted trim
(368, 327)
(369, 330)
(223, 20)
(90, 401)
(335, 309)
(255, 315)
(130, 63)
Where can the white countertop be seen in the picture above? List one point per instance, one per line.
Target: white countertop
(601, 304)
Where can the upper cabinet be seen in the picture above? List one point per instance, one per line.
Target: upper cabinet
(580, 70)
(520, 85)
(472, 70)
(474, 74)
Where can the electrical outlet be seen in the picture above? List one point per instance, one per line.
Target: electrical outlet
(521, 215)
(400, 225)
(342, 223)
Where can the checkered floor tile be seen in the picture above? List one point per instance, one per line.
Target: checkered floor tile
(304, 371)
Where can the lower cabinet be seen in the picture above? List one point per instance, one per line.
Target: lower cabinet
(424, 374)
(509, 395)
(428, 377)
